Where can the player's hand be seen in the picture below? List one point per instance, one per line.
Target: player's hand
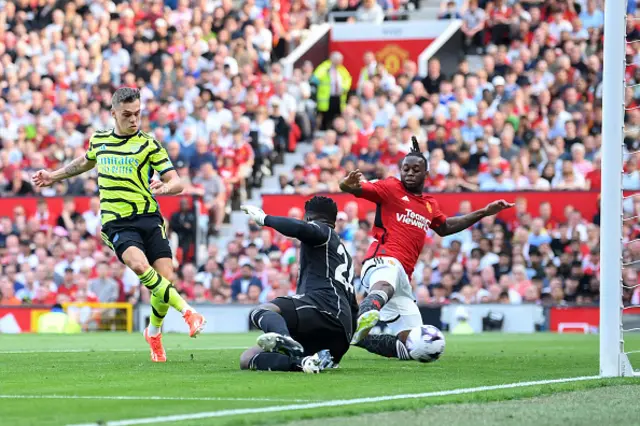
(497, 206)
(353, 179)
(255, 213)
(159, 188)
(42, 178)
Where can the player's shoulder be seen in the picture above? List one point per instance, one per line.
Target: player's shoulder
(154, 143)
(145, 135)
(430, 202)
(428, 198)
(325, 229)
(320, 225)
(391, 182)
(102, 134)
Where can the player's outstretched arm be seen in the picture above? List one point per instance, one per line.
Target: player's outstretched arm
(78, 166)
(306, 232)
(170, 184)
(352, 183)
(459, 223)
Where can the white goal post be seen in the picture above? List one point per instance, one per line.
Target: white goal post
(613, 360)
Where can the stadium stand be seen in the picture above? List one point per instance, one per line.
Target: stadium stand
(522, 112)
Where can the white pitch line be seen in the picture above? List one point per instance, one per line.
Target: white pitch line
(151, 398)
(87, 350)
(331, 403)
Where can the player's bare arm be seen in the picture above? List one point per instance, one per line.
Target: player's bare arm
(351, 184)
(170, 184)
(456, 224)
(43, 178)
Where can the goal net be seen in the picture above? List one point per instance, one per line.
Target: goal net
(619, 252)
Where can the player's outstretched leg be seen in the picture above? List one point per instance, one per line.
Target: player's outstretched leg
(256, 359)
(276, 338)
(386, 345)
(369, 311)
(163, 293)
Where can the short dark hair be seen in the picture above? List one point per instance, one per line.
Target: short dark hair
(124, 95)
(415, 152)
(323, 206)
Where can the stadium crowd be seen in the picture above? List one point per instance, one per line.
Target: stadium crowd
(214, 93)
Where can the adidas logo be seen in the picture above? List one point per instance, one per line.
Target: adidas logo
(405, 198)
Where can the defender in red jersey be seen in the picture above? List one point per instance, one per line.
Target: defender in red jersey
(404, 215)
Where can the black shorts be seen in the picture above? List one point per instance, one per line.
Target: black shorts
(146, 232)
(312, 328)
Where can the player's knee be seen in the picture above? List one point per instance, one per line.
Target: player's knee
(254, 317)
(385, 287)
(245, 359)
(139, 266)
(165, 268)
(137, 262)
(247, 356)
(265, 307)
(258, 312)
(269, 307)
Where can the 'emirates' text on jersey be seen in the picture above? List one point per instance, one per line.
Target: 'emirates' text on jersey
(326, 277)
(402, 220)
(125, 166)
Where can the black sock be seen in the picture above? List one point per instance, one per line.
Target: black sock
(269, 321)
(374, 301)
(273, 361)
(386, 345)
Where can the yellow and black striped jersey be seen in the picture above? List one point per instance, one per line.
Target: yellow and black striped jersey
(125, 167)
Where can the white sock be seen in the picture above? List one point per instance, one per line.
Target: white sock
(153, 330)
(185, 309)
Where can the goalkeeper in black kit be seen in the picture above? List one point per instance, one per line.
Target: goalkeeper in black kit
(310, 331)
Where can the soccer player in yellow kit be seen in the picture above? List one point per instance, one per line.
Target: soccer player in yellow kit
(132, 225)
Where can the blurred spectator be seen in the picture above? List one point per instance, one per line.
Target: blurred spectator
(183, 223)
(103, 286)
(449, 10)
(343, 8)
(211, 187)
(240, 286)
(92, 216)
(69, 215)
(7, 292)
(333, 82)
(473, 27)
(370, 11)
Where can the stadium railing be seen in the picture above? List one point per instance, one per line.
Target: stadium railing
(388, 15)
(96, 316)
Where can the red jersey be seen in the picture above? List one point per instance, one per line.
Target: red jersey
(402, 221)
(68, 291)
(243, 153)
(488, 165)
(595, 178)
(90, 298)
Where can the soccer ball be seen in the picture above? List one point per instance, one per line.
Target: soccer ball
(425, 343)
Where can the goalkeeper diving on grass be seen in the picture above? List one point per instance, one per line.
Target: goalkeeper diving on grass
(132, 226)
(310, 331)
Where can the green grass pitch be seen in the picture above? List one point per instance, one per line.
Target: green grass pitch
(105, 378)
